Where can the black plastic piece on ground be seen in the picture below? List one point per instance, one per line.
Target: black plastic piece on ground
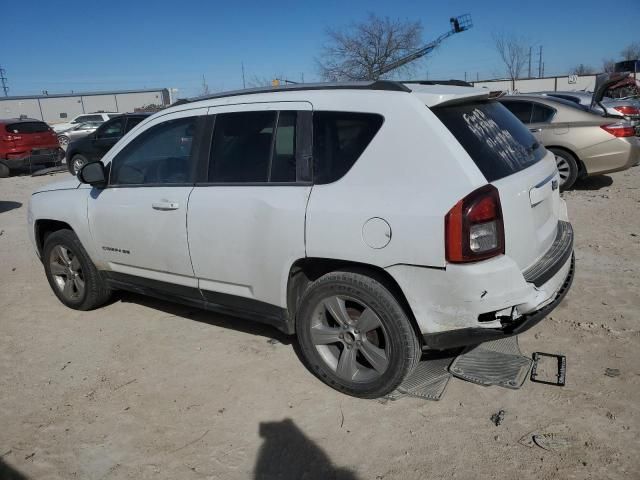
(562, 368)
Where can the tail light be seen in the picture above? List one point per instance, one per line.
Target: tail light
(628, 110)
(474, 229)
(619, 129)
(11, 138)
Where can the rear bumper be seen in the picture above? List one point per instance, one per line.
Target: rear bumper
(613, 156)
(27, 158)
(474, 336)
(462, 304)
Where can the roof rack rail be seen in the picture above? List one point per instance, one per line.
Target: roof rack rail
(387, 85)
(452, 82)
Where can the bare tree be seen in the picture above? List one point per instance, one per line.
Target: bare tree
(514, 53)
(608, 65)
(360, 50)
(582, 69)
(631, 51)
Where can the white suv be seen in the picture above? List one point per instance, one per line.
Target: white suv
(84, 118)
(373, 220)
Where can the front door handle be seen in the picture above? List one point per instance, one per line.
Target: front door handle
(535, 130)
(164, 205)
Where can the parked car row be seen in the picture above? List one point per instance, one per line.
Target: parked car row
(26, 142)
(585, 138)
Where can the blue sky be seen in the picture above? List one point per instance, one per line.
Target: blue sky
(64, 46)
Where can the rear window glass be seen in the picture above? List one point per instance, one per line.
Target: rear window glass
(27, 127)
(499, 144)
(339, 138)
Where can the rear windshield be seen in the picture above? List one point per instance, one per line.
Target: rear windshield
(499, 144)
(27, 127)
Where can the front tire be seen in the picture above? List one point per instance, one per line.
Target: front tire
(71, 274)
(567, 167)
(77, 162)
(63, 140)
(355, 336)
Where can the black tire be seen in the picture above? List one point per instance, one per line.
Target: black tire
(94, 292)
(77, 158)
(567, 166)
(4, 170)
(395, 337)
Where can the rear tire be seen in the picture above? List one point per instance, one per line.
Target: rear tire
(4, 170)
(567, 167)
(71, 274)
(355, 336)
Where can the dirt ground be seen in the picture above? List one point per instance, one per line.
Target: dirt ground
(146, 389)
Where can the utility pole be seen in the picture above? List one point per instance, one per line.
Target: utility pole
(465, 76)
(3, 80)
(540, 62)
(530, 62)
(243, 82)
(543, 69)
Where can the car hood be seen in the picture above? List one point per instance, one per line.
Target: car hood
(69, 183)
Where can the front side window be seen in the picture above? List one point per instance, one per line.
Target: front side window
(132, 122)
(161, 155)
(241, 147)
(339, 138)
(112, 129)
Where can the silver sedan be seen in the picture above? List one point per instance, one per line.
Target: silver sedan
(77, 131)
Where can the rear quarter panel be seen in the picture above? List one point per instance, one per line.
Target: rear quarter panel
(410, 175)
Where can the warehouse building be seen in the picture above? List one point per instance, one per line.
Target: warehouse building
(63, 107)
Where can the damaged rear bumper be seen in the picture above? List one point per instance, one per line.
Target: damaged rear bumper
(473, 336)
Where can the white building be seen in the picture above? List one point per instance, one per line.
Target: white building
(62, 107)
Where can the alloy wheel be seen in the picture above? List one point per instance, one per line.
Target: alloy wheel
(563, 168)
(67, 274)
(350, 338)
(77, 165)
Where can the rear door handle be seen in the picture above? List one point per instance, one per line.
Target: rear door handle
(535, 130)
(165, 205)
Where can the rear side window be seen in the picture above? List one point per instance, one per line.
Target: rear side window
(339, 138)
(541, 113)
(27, 127)
(89, 118)
(499, 144)
(522, 110)
(241, 147)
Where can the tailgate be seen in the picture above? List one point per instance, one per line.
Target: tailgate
(32, 134)
(522, 170)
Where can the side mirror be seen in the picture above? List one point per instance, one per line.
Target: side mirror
(93, 174)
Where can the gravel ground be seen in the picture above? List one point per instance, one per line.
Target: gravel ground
(147, 389)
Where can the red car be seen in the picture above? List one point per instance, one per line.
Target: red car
(26, 142)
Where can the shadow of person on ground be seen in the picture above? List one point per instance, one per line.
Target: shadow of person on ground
(286, 453)
(5, 206)
(593, 183)
(7, 472)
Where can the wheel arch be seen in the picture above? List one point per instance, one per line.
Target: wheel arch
(45, 227)
(306, 270)
(582, 170)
